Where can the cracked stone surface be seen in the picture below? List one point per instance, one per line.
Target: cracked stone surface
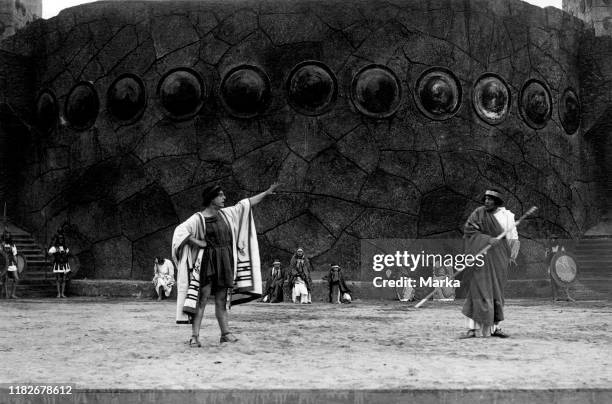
(123, 188)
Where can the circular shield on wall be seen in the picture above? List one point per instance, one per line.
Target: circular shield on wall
(535, 104)
(569, 111)
(376, 91)
(563, 268)
(47, 111)
(311, 88)
(181, 94)
(82, 106)
(438, 93)
(245, 91)
(491, 98)
(126, 98)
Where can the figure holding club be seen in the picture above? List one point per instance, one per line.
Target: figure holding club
(490, 230)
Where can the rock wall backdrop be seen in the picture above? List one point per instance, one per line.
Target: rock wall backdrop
(383, 119)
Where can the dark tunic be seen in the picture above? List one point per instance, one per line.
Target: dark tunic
(217, 261)
(484, 302)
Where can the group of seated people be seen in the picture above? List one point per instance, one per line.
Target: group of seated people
(298, 277)
(300, 282)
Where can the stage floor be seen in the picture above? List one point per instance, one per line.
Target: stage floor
(135, 344)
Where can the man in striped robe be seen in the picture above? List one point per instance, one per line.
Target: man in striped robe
(216, 251)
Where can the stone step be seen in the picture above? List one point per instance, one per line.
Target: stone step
(32, 260)
(594, 242)
(36, 273)
(35, 283)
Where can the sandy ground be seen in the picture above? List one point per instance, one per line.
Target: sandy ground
(113, 343)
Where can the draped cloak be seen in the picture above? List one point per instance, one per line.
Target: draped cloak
(247, 271)
(484, 301)
(274, 285)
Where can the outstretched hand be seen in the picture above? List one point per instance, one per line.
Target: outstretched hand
(273, 187)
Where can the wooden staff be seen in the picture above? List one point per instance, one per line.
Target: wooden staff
(484, 250)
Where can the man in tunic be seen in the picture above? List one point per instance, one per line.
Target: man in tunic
(299, 277)
(553, 247)
(61, 266)
(274, 284)
(10, 250)
(216, 251)
(163, 278)
(484, 302)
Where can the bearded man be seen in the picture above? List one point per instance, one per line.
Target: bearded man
(484, 303)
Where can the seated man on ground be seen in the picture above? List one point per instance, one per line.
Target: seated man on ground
(274, 284)
(336, 282)
(163, 280)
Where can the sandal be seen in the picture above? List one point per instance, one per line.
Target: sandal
(468, 334)
(194, 342)
(228, 337)
(499, 333)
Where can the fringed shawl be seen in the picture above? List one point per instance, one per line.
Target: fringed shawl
(247, 272)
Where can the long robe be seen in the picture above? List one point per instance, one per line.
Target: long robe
(247, 272)
(300, 268)
(274, 286)
(335, 277)
(484, 302)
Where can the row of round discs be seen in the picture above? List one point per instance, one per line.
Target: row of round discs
(311, 89)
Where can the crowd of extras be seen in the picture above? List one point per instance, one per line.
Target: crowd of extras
(14, 264)
(294, 281)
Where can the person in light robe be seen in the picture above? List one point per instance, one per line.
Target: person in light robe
(216, 253)
(484, 303)
(163, 278)
(299, 277)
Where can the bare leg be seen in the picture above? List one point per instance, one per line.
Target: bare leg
(63, 289)
(197, 319)
(485, 331)
(159, 293)
(13, 295)
(58, 285)
(569, 298)
(555, 289)
(221, 310)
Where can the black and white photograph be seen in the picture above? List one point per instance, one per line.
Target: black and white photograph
(306, 201)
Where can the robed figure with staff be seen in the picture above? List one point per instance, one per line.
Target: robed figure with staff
(484, 303)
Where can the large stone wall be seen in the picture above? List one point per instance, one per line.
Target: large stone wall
(349, 172)
(17, 79)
